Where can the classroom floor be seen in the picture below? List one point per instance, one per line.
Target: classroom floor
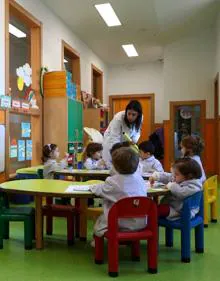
(59, 262)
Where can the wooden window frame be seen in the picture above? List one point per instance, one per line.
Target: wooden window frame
(12, 7)
(173, 105)
(99, 74)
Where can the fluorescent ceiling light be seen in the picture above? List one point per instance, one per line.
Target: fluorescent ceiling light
(130, 50)
(108, 14)
(65, 61)
(16, 32)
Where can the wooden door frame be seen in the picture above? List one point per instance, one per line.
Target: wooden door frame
(100, 74)
(217, 120)
(133, 97)
(173, 105)
(35, 26)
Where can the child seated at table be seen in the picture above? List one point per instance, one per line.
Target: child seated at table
(183, 182)
(125, 183)
(50, 156)
(94, 159)
(192, 147)
(148, 162)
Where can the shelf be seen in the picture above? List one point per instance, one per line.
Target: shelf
(33, 112)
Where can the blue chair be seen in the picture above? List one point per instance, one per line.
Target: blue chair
(185, 224)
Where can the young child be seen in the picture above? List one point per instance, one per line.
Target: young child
(182, 183)
(50, 156)
(94, 159)
(126, 183)
(148, 162)
(192, 147)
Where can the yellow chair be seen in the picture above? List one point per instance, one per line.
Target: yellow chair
(94, 213)
(210, 198)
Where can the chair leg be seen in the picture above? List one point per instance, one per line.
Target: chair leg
(28, 233)
(6, 230)
(199, 238)
(206, 207)
(49, 225)
(1, 233)
(70, 229)
(214, 212)
(112, 257)
(152, 254)
(169, 236)
(99, 249)
(185, 245)
(77, 225)
(135, 250)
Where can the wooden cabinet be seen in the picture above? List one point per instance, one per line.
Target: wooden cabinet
(63, 117)
(96, 118)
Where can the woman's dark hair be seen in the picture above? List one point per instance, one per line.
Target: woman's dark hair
(136, 106)
(188, 167)
(119, 145)
(92, 148)
(125, 160)
(147, 146)
(47, 149)
(193, 145)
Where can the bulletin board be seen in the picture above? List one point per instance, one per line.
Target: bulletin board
(20, 142)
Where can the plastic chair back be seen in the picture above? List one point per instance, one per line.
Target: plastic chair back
(133, 207)
(210, 187)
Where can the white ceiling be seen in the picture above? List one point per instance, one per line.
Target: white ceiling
(148, 24)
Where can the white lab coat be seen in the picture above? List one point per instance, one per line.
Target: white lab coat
(114, 134)
(92, 164)
(179, 191)
(51, 166)
(115, 188)
(150, 164)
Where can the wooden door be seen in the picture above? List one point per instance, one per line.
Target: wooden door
(119, 103)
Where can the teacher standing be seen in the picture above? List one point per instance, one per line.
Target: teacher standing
(129, 122)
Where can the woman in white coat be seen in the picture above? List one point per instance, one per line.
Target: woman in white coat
(129, 122)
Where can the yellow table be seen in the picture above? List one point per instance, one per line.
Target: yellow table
(29, 170)
(56, 188)
(40, 188)
(83, 173)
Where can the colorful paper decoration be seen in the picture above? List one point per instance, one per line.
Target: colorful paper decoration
(28, 149)
(13, 149)
(25, 130)
(16, 104)
(25, 105)
(5, 101)
(24, 74)
(21, 150)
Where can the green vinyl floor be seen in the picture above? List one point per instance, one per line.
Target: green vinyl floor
(59, 262)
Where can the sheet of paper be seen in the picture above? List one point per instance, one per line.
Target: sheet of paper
(157, 185)
(77, 188)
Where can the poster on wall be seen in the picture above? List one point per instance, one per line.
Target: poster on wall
(25, 130)
(13, 149)
(21, 150)
(28, 149)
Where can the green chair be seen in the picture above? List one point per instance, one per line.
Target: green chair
(23, 214)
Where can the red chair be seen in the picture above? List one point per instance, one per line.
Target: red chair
(65, 211)
(132, 207)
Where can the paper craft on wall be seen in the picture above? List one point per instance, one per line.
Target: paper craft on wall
(25, 130)
(24, 74)
(21, 150)
(13, 149)
(28, 149)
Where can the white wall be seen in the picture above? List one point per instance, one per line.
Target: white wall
(2, 47)
(138, 79)
(189, 71)
(54, 30)
(218, 53)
